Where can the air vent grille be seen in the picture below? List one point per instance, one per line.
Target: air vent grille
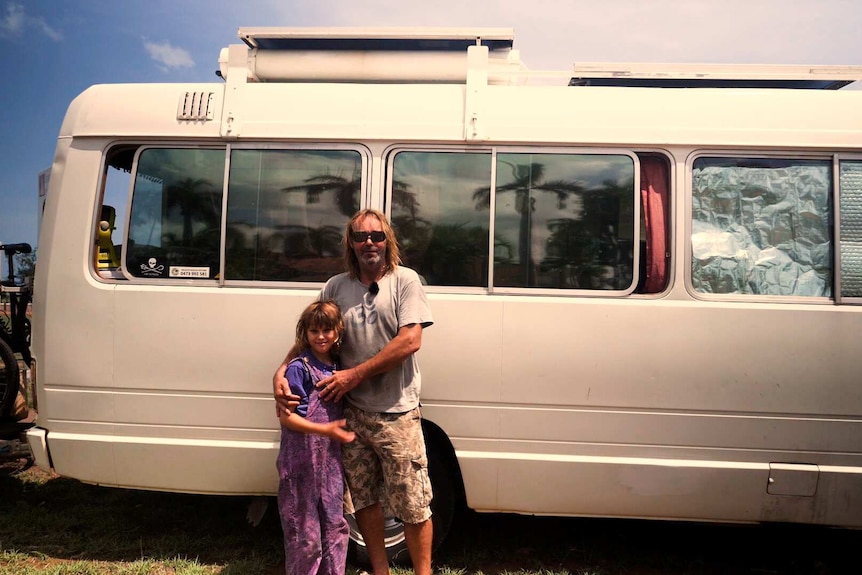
(195, 106)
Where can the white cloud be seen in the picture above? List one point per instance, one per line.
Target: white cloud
(169, 57)
(47, 30)
(12, 23)
(16, 21)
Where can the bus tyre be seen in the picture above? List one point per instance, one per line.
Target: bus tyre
(9, 378)
(442, 511)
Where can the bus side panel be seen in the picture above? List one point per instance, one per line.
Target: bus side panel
(69, 304)
(190, 394)
(654, 489)
(597, 399)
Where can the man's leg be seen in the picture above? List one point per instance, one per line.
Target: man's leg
(408, 485)
(365, 480)
(419, 537)
(370, 522)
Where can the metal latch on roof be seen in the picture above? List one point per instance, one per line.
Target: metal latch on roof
(195, 106)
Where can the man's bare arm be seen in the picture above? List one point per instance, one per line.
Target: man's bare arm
(285, 402)
(407, 342)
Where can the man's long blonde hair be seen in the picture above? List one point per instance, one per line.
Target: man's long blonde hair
(393, 252)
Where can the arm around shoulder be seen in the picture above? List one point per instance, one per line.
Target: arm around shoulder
(286, 401)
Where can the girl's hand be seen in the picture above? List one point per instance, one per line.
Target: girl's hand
(338, 432)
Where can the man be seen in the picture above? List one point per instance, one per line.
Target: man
(385, 311)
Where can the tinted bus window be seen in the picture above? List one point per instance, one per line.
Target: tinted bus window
(286, 213)
(175, 223)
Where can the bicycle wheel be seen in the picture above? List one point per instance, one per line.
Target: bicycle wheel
(9, 378)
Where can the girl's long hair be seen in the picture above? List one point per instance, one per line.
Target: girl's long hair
(393, 251)
(322, 315)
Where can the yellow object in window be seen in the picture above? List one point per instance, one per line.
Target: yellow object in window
(107, 254)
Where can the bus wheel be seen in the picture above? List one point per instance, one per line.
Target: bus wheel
(442, 511)
(9, 378)
(393, 538)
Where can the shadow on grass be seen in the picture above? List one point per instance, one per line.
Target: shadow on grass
(495, 543)
(65, 519)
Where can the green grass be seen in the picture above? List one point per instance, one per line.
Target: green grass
(56, 526)
(14, 563)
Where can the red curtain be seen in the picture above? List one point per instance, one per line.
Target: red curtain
(654, 188)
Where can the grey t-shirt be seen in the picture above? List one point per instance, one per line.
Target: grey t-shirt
(372, 321)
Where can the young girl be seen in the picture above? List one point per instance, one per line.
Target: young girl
(311, 480)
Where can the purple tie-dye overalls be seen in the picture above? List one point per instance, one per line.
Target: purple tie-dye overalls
(311, 492)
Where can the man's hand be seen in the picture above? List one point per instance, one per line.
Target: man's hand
(338, 432)
(285, 402)
(336, 385)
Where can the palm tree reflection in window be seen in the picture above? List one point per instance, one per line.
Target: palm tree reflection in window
(524, 180)
(314, 253)
(199, 206)
(177, 224)
(581, 249)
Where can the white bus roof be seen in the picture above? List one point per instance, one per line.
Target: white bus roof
(445, 95)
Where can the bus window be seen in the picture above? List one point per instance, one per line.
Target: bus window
(564, 221)
(112, 211)
(561, 221)
(175, 222)
(442, 227)
(850, 225)
(286, 212)
(761, 226)
(655, 187)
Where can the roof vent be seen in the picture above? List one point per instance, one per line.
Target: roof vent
(195, 106)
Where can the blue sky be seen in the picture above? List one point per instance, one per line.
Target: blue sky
(51, 50)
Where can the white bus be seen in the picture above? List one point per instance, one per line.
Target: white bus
(645, 280)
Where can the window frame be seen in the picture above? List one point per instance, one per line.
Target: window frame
(391, 152)
(111, 275)
(219, 281)
(141, 148)
(771, 154)
(364, 193)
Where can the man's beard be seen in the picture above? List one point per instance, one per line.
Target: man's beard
(371, 259)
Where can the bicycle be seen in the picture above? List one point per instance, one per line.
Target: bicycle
(15, 329)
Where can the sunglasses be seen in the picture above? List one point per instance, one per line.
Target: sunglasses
(362, 237)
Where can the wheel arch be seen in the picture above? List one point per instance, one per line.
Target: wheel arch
(442, 453)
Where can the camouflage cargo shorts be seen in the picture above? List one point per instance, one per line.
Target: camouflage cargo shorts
(387, 463)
